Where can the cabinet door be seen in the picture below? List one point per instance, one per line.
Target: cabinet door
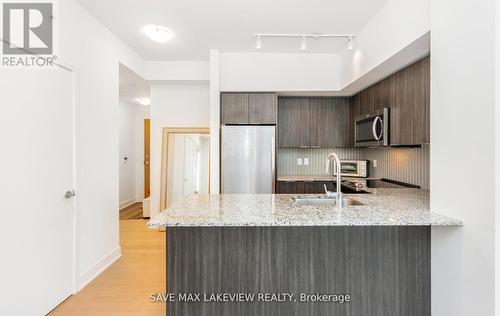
(410, 108)
(309, 187)
(262, 108)
(340, 121)
(289, 118)
(234, 108)
(305, 122)
(330, 122)
(282, 187)
(322, 128)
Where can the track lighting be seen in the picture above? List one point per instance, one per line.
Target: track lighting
(258, 45)
(303, 45)
(349, 43)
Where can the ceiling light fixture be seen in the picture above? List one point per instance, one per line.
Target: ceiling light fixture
(350, 43)
(258, 45)
(303, 46)
(144, 101)
(158, 33)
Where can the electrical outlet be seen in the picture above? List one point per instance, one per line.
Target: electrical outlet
(299, 161)
(374, 163)
(306, 161)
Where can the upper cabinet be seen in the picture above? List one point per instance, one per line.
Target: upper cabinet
(248, 108)
(407, 95)
(314, 122)
(294, 122)
(262, 108)
(234, 109)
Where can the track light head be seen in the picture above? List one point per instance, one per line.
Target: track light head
(303, 45)
(350, 43)
(258, 45)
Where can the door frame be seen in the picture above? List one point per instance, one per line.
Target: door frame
(164, 157)
(147, 160)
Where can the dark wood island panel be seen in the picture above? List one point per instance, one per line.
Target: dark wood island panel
(384, 269)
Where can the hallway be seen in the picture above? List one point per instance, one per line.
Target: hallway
(124, 288)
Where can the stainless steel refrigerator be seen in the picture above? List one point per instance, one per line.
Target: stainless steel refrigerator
(247, 159)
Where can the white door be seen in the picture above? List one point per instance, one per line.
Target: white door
(36, 168)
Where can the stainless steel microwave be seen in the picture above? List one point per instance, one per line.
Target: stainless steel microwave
(372, 130)
(354, 168)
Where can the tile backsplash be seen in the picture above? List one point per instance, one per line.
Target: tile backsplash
(409, 165)
(287, 160)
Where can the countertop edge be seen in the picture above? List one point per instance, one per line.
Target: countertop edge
(453, 223)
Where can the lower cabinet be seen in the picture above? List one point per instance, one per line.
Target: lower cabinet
(310, 187)
(303, 187)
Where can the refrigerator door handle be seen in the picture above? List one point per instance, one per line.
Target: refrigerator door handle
(273, 164)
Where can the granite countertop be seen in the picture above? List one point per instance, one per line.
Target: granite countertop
(383, 207)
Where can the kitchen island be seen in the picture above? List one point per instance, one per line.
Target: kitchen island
(372, 258)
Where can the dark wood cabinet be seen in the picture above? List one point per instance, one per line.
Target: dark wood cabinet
(293, 122)
(303, 187)
(407, 94)
(322, 129)
(410, 112)
(262, 108)
(314, 122)
(305, 125)
(234, 108)
(339, 114)
(248, 108)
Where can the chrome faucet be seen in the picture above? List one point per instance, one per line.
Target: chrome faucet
(338, 194)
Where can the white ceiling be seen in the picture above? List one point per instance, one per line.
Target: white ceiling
(229, 25)
(132, 86)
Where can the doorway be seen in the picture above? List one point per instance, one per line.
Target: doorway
(134, 135)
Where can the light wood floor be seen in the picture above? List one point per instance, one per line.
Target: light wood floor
(133, 211)
(124, 288)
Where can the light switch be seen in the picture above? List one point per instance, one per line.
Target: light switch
(306, 161)
(374, 163)
(299, 161)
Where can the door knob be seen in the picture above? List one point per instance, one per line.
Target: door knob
(69, 194)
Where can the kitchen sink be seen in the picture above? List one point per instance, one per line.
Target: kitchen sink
(318, 201)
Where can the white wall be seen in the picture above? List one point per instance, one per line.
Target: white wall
(497, 160)
(179, 70)
(462, 177)
(131, 136)
(278, 72)
(214, 122)
(174, 105)
(94, 52)
(394, 27)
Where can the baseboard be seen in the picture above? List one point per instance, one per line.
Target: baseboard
(87, 277)
(127, 203)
